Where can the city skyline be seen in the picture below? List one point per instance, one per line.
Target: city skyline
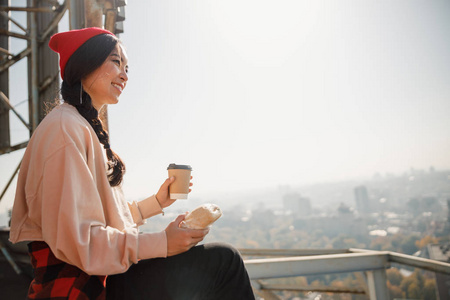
(256, 94)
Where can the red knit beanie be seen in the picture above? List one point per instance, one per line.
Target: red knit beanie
(66, 43)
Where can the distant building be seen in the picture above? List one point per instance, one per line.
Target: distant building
(419, 205)
(344, 222)
(362, 199)
(298, 205)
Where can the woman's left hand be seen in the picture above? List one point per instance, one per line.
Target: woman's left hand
(163, 195)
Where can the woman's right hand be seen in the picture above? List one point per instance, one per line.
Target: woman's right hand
(180, 240)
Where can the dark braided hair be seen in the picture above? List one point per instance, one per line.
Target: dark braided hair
(84, 61)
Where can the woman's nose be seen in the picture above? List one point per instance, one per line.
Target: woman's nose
(124, 75)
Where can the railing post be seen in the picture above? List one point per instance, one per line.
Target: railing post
(376, 282)
(266, 295)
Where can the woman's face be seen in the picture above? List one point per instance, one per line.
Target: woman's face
(106, 83)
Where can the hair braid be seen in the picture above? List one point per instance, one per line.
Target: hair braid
(116, 167)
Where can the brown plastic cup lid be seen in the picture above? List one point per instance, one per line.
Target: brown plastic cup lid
(175, 166)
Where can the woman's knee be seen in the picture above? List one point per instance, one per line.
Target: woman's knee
(222, 248)
(226, 253)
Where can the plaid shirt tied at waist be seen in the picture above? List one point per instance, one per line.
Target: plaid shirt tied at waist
(55, 279)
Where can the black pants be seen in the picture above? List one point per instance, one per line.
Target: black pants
(206, 272)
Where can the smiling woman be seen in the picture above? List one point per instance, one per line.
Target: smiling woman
(89, 79)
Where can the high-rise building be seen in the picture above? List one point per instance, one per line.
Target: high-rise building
(362, 199)
(447, 224)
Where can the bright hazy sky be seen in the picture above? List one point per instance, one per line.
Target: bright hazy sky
(265, 93)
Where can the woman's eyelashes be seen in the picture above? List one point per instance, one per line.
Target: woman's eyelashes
(119, 64)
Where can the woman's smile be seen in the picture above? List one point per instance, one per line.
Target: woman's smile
(118, 86)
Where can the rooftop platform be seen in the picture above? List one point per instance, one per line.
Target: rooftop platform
(263, 265)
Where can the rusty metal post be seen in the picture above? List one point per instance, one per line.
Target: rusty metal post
(110, 16)
(33, 68)
(93, 13)
(47, 65)
(5, 139)
(76, 14)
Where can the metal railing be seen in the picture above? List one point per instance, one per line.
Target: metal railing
(293, 263)
(264, 264)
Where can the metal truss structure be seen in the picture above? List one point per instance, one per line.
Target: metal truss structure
(42, 80)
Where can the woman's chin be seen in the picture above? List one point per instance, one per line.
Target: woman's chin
(113, 101)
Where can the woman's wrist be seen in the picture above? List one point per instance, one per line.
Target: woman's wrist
(159, 203)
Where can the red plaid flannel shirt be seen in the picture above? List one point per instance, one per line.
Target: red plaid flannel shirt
(55, 279)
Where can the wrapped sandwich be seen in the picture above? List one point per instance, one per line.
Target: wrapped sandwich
(202, 217)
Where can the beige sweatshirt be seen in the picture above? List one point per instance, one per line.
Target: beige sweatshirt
(63, 197)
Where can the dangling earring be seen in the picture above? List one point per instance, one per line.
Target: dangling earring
(81, 94)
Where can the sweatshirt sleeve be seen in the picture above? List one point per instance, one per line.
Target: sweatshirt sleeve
(74, 220)
(144, 209)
